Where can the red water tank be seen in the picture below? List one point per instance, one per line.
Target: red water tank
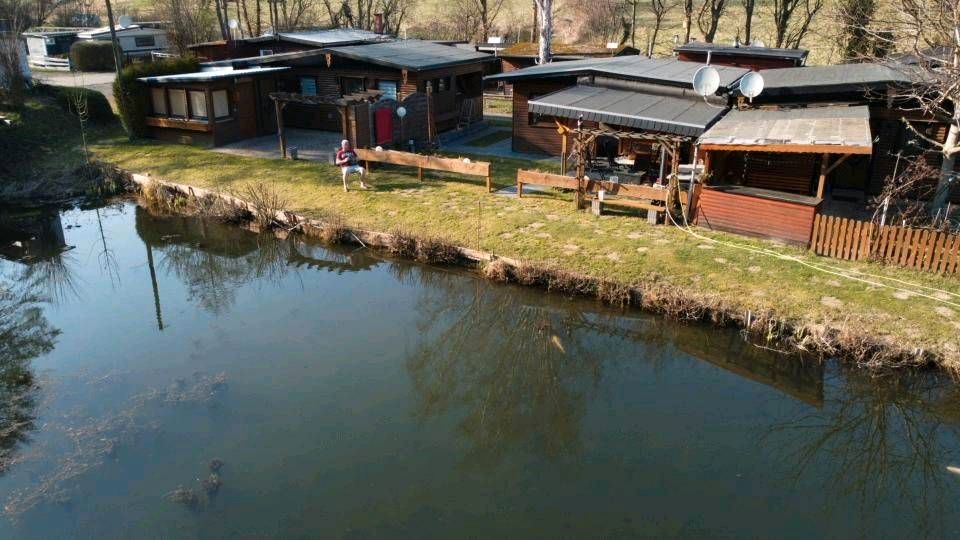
(384, 121)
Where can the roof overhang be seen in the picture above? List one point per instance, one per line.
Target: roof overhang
(387, 62)
(815, 130)
(630, 109)
(210, 75)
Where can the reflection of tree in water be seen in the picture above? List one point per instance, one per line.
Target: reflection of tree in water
(214, 259)
(24, 335)
(883, 442)
(521, 371)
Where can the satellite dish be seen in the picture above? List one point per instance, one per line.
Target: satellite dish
(401, 112)
(706, 81)
(751, 85)
(124, 21)
(234, 24)
(757, 43)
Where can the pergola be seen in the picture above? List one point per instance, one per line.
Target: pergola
(282, 99)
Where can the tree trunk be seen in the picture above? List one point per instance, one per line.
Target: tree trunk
(748, 6)
(633, 24)
(687, 19)
(546, 31)
(942, 194)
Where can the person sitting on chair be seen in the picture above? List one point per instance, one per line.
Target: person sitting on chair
(347, 160)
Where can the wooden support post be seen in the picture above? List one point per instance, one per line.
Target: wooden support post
(283, 138)
(563, 153)
(824, 169)
(596, 206)
(489, 184)
(420, 174)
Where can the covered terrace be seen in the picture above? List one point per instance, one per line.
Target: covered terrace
(766, 172)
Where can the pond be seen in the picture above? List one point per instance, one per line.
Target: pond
(169, 376)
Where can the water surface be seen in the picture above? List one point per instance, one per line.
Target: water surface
(350, 396)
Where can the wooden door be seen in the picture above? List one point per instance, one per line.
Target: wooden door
(266, 111)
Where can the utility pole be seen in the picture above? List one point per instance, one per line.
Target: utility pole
(117, 60)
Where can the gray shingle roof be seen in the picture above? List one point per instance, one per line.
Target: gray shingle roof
(828, 79)
(627, 108)
(412, 54)
(666, 71)
(845, 128)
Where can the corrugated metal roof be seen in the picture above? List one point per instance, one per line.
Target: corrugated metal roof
(650, 112)
(667, 71)
(743, 50)
(828, 79)
(412, 54)
(842, 127)
(211, 75)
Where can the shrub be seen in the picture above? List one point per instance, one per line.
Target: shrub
(98, 108)
(91, 55)
(132, 96)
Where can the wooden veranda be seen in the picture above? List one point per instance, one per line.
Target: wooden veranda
(343, 103)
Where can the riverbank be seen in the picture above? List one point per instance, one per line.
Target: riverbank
(876, 315)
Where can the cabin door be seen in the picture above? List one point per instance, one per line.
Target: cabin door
(266, 109)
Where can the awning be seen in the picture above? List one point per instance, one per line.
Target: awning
(820, 130)
(630, 108)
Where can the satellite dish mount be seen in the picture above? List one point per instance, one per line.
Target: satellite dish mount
(751, 85)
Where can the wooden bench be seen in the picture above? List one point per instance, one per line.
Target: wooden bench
(421, 162)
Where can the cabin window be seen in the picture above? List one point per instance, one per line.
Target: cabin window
(221, 104)
(352, 85)
(537, 119)
(158, 97)
(145, 41)
(308, 86)
(178, 103)
(389, 89)
(198, 105)
(266, 52)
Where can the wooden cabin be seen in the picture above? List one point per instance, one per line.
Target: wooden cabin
(283, 42)
(750, 57)
(546, 95)
(447, 80)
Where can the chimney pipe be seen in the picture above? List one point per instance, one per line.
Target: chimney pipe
(378, 23)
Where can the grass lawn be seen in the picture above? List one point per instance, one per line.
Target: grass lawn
(496, 105)
(547, 229)
(489, 139)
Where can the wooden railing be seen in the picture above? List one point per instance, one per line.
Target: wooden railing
(421, 162)
(853, 240)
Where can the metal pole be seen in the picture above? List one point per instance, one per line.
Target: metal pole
(117, 60)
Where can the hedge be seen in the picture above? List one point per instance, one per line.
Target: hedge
(91, 55)
(98, 108)
(133, 96)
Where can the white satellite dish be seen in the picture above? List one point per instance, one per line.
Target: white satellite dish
(757, 43)
(751, 85)
(124, 21)
(234, 24)
(706, 81)
(401, 112)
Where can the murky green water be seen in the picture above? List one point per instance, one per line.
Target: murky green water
(354, 397)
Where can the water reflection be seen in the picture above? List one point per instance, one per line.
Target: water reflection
(886, 442)
(35, 239)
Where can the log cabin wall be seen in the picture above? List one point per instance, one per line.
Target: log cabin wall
(749, 62)
(753, 216)
(539, 137)
(241, 124)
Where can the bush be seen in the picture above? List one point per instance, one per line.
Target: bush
(132, 96)
(91, 55)
(98, 108)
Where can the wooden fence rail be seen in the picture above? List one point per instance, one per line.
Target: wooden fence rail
(421, 162)
(854, 240)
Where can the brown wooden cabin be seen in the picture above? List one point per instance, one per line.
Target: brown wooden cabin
(399, 70)
(535, 128)
(750, 57)
(211, 108)
(766, 170)
(283, 42)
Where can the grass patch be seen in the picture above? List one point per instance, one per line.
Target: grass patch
(547, 231)
(498, 105)
(489, 139)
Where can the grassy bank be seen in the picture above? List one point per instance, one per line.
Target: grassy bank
(547, 230)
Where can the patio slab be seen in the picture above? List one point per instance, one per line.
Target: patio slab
(312, 144)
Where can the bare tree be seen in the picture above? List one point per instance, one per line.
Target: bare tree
(13, 78)
(191, 21)
(855, 40)
(545, 12)
(605, 21)
(687, 19)
(792, 23)
(660, 9)
(709, 18)
(487, 11)
(748, 8)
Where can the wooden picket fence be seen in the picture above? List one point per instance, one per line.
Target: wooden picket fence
(854, 240)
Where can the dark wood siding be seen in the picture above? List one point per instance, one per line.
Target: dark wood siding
(542, 138)
(753, 216)
(748, 62)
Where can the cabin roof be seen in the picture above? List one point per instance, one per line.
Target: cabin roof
(835, 129)
(411, 54)
(799, 81)
(531, 49)
(210, 75)
(664, 71)
(743, 50)
(627, 108)
(322, 38)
